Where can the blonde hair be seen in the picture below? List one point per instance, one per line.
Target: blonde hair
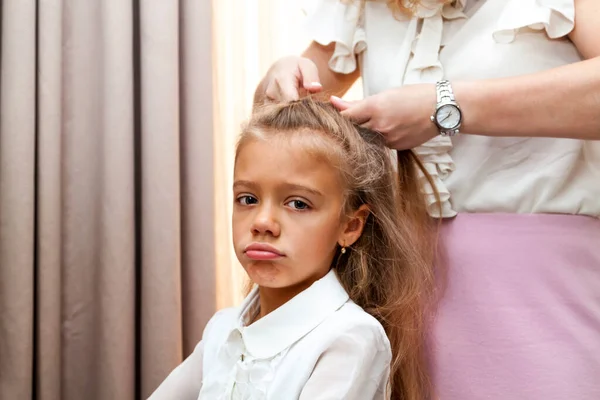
(389, 270)
(406, 7)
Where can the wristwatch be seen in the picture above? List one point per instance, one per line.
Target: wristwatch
(447, 115)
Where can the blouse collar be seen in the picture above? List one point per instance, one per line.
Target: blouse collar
(283, 327)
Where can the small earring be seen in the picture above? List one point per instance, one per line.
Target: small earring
(343, 250)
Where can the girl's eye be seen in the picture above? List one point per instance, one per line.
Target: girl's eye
(247, 200)
(298, 205)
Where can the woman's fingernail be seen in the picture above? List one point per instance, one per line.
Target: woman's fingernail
(316, 84)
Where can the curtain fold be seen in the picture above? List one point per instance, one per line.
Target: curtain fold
(160, 188)
(17, 194)
(107, 260)
(49, 363)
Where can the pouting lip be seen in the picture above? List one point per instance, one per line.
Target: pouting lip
(262, 247)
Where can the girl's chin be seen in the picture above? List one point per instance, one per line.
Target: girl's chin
(264, 274)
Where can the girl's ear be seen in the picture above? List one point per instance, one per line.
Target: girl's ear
(354, 225)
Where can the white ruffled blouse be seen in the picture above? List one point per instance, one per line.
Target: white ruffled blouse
(470, 40)
(317, 346)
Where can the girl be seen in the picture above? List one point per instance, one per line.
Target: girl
(338, 246)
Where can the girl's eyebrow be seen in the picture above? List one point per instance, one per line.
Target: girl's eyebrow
(288, 186)
(303, 188)
(247, 184)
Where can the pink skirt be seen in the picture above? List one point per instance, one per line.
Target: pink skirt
(520, 314)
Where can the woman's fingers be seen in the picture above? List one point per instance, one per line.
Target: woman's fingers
(309, 75)
(281, 90)
(340, 104)
(288, 89)
(358, 112)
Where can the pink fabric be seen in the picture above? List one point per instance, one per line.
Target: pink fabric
(520, 317)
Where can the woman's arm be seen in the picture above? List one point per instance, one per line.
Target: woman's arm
(562, 102)
(334, 83)
(293, 77)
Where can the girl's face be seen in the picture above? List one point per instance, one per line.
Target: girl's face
(287, 214)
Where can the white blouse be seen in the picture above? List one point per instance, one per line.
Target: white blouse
(471, 40)
(318, 345)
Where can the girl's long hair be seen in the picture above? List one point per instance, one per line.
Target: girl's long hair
(389, 270)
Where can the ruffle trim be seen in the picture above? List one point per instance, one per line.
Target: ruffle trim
(437, 162)
(556, 17)
(339, 23)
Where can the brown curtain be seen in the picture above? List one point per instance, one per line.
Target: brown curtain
(106, 194)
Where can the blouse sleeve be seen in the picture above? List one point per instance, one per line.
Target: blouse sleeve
(556, 17)
(354, 367)
(334, 21)
(185, 381)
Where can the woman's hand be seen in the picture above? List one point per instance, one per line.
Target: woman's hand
(402, 115)
(288, 79)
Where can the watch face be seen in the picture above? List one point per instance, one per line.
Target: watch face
(448, 116)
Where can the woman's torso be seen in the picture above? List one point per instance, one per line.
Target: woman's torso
(474, 40)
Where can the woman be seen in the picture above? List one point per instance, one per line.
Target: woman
(501, 100)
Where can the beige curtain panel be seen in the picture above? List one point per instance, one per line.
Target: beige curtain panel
(107, 273)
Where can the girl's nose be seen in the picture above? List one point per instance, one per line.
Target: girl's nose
(266, 223)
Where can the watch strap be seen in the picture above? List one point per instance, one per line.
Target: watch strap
(445, 95)
(444, 91)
